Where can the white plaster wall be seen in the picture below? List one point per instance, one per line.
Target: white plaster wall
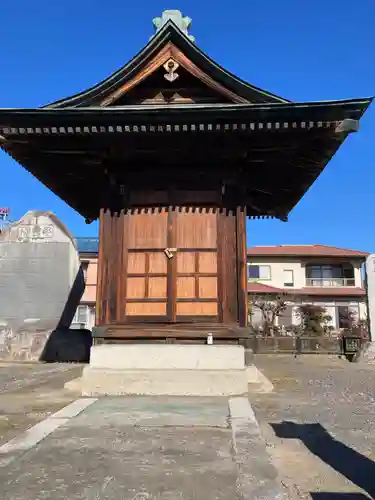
(362, 310)
(358, 273)
(277, 266)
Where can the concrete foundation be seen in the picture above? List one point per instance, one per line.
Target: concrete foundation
(175, 370)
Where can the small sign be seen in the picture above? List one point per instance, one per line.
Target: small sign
(4, 213)
(36, 232)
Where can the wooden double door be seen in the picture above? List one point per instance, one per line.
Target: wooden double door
(171, 266)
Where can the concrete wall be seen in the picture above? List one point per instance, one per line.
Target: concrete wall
(42, 342)
(41, 284)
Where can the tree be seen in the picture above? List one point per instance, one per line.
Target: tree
(352, 326)
(270, 306)
(314, 319)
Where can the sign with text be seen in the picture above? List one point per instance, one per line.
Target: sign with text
(35, 232)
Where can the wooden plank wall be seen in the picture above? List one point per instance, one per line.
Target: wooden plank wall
(111, 259)
(227, 239)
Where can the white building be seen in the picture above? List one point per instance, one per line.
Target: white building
(327, 276)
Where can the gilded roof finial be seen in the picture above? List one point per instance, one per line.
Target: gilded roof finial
(183, 23)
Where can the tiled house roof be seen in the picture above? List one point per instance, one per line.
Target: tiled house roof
(87, 245)
(303, 251)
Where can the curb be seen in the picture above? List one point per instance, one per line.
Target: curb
(258, 477)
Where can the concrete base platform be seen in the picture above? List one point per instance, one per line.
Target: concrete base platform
(157, 369)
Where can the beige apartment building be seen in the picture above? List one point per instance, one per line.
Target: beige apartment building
(329, 276)
(323, 275)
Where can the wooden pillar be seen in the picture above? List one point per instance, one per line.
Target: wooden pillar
(99, 313)
(241, 266)
(109, 298)
(227, 265)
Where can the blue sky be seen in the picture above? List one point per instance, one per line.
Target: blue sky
(305, 51)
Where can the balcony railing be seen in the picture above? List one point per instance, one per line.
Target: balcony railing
(330, 282)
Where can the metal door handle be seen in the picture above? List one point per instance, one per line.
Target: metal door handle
(169, 252)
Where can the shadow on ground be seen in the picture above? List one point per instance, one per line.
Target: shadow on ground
(67, 345)
(64, 344)
(359, 469)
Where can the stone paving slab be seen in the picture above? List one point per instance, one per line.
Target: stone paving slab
(161, 411)
(127, 463)
(101, 454)
(144, 449)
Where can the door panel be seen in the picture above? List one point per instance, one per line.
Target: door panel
(148, 229)
(196, 268)
(185, 287)
(146, 290)
(136, 263)
(196, 230)
(197, 309)
(185, 262)
(146, 309)
(180, 284)
(207, 262)
(157, 288)
(207, 287)
(157, 263)
(136, 288)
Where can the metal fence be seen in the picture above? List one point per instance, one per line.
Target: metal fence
(300, 345)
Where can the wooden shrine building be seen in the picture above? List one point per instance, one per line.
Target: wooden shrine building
(172, 153)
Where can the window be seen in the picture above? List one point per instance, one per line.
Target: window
(84, 265)
(330, 275)
(81, 315)
(324, 272)
(259, 272)
(288, 277)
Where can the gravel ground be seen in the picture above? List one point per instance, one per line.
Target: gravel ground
(318, 424)
(30, 392)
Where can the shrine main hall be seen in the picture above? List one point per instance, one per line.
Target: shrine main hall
(172, 153)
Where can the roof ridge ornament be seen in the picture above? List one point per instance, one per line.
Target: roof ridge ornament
(182, 23)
